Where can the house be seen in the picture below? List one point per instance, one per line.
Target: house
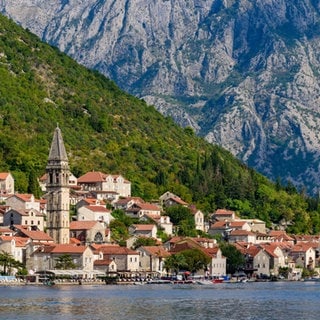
(88, 201)
(143, 230)
(6, 184)
(107, 266)
(127, 202)
(94, 213)
(218, 263)
(223, 215)
(278, 257)
(303, 255)
(225, 227)
(30, 218)
(98, 181)
(152, 259)
(137, 210)
(198, 217)
(46, 257)
(21, 202)
(15, 246)
(174, 201)
(36, 236)
(256, 225)
(163, 222)
(257, 261)
(3, 210)
(281, 236)
(263, 238)
(127, 260)
(88, 231)
(242, 235)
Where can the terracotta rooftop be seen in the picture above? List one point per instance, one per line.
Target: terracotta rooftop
(82, 225)
(117, 250)
(4, 175)
(143, 227)
(104, 262)
(68, 248)
(279, 234)
(157, 251)
(178, 200)
(148, 206)
(23, 196)
(20, 241)
(128, 199)
(91, 177)
(97, 176)
(34, 235)
(97, 208)
(224, 212)
(94, 202)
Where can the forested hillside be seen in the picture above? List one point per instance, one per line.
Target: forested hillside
(108, 130)
(244, 74)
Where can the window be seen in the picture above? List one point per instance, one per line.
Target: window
(98, 238)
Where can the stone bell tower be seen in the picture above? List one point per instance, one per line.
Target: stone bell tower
(58, 193)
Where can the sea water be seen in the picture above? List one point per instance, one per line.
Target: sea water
(269, 300)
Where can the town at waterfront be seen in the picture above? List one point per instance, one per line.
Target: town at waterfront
(91, 230)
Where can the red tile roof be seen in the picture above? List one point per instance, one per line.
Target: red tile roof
(4, 175)
(178, 200)
(104, 262)
(82, 225)
(279, 234)
(144, 227)
(97, 208)
(68, 248)
(128, 199)
(157, 251)
(91, 177)
(20, 241)
(34, 235)
(94, 201)
(148, 206)
(116, 250)
(224, 212)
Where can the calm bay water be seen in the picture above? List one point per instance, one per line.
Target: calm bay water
(272, 300)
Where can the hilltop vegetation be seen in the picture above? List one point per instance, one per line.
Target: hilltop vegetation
(108, 130)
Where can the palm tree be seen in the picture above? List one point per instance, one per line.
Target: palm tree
(8, 262)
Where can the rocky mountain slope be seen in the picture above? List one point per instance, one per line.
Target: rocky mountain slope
(244, 74)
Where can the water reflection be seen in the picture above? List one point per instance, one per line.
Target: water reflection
(231, 301)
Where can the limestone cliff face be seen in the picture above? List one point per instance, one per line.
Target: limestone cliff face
(243, 73)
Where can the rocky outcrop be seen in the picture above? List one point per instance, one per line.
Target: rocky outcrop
(244, 74)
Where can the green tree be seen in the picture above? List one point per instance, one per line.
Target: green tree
(121, 216)
(183, 219)
(8, 263)
(33, 184)
(175, 263)
(119, 231)
(65, 262)
(195, 260)
(235, 259)
(190, 260)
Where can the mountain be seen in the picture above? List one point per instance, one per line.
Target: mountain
(244, 74)
(108, 130)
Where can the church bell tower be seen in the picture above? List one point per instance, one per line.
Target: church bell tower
(58, 193)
